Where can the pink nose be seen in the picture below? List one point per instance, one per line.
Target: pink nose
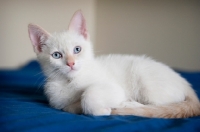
(70, 64)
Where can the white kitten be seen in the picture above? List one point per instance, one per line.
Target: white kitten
(115, 84)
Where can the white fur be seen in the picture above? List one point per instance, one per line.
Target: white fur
(106, 82)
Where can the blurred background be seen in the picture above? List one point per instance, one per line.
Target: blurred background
(166, 30)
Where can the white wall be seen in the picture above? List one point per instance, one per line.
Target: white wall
(52, 15)
(167, 30)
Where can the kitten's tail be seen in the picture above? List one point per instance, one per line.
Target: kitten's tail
(187, 108)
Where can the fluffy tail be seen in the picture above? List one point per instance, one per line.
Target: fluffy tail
(188, 108)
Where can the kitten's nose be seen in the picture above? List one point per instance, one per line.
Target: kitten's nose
(70, 64)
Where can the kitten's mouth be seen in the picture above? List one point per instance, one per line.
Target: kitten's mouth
(72, 69)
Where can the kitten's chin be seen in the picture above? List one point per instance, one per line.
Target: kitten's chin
(70, 73)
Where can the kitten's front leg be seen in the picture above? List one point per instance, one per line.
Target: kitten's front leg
(101, 98)
(74, 108)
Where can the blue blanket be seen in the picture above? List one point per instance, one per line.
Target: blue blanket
(24, 108)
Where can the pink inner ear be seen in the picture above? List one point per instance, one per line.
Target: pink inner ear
(84, 30)
(35, 40)
(78, 24)
(36, 33)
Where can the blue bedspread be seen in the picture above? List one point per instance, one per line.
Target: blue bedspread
(23, 107)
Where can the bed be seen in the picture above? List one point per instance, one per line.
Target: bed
(24, 108)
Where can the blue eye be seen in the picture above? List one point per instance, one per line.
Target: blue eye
(77, 49)
(56, 55)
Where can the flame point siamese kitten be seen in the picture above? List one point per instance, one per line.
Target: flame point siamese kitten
(78, 82)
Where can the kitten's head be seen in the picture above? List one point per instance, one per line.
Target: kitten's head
(62, 53)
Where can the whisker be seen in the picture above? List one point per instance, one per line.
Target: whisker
(52, 74)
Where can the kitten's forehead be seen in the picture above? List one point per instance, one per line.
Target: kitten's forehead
(65, 40)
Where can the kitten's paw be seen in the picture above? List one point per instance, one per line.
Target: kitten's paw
(103, 111)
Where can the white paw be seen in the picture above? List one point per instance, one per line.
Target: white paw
(103, 111)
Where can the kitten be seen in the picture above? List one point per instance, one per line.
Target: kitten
(78, 82)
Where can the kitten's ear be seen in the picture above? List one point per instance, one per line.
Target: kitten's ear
(37, 36)
(78, 24)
